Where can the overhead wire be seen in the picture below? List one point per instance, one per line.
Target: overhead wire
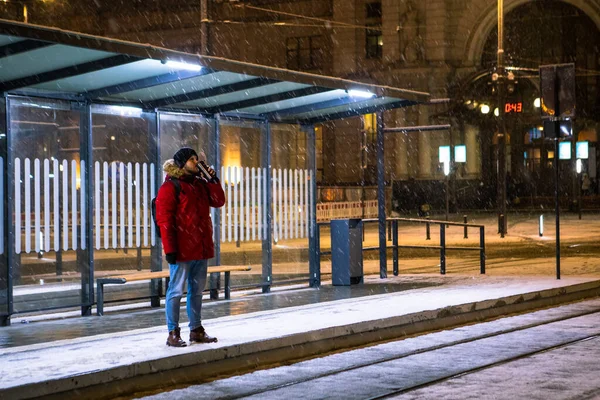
(323, 20)
(525, 59)
(271, 23)
(329, 24)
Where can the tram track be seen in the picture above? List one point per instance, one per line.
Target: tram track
(474, 370)
(431, 349)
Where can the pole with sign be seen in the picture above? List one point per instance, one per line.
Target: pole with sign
(581, 153)
(445, 159)
(557, 83)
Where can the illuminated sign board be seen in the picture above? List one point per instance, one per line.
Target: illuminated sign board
(460, 153)
(582, 150)
(444, 154)
(513, 107)
(564, 151)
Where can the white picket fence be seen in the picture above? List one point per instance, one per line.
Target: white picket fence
(243, 218)
(122, 215)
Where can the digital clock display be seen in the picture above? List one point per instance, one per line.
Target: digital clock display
(513, 107)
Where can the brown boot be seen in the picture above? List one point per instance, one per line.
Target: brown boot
(199, 335)
(174, 339)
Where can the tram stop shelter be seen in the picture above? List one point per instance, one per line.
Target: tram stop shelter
(69, 192)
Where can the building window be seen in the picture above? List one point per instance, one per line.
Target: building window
(305, 53)
(374, 37)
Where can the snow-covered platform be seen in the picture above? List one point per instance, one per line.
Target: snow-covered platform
(127, 361)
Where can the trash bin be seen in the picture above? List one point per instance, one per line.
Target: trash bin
(346, 252)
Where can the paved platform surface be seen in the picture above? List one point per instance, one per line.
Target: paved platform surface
(103, 357)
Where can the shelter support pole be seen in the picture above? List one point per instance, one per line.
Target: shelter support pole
(557, 196)
(313, 239)
(381, 196)
(85, 251)
(7, 254)
(214, 158)
(153, 119)
(267, 242)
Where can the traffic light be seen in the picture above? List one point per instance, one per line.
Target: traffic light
(557, 83)
(510, 82)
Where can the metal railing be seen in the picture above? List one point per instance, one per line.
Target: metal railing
(442, 246)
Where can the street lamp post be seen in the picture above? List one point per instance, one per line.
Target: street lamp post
(446, 173)
(204, 27)
(501, 167)
(578, 170)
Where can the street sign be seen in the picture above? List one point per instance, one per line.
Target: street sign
(565, 129)
(460, 153)
(557, 83)
(582, 150)
(444, 154)
(564, 151)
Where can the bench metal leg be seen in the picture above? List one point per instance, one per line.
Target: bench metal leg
(155, 292)
(86, 311)
(227, 286)
(215, 280)
(100, 299)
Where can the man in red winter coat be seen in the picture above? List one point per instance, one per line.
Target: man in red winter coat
(186, 232)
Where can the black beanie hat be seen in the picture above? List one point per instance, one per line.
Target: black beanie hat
(183, 155)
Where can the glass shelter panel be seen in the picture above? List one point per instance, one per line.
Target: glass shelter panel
(3, 225)
(183, 130)
(291, 202)
(243, 217)
(123, 174)
(47, 203)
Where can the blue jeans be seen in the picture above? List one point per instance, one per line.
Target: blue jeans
(195, 274)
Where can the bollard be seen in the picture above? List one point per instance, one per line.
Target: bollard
(541, 225)
(59, 263)
(238, 243)
(427, 231)
(501, 225)
(139, 259)
(466, 235)
(395, 246)
(482, 250)
(443, 249)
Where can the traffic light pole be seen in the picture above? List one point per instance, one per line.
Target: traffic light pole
(501, 148)
(556, 123)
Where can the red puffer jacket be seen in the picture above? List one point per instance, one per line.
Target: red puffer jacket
(185, 225)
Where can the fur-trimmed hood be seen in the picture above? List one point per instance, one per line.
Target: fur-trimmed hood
(172, 169)
(184, 221)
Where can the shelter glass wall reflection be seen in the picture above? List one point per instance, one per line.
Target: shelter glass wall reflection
(47, 203)
(123, 173)
(3, 226)
(184, 130)
(291, 198)
(243, 218)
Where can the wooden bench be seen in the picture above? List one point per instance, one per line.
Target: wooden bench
(147, 275)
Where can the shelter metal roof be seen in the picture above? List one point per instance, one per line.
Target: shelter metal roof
(50, 62)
